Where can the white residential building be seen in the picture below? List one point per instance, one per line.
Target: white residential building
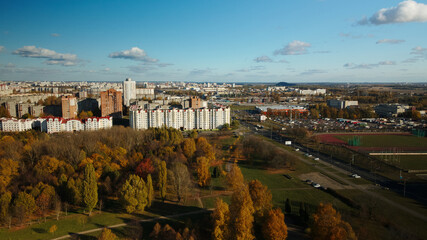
(185, 119)
(15, 125)
(54, 124)
(129, 91)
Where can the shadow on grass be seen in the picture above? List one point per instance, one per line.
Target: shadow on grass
(81, 236)
(39, 230)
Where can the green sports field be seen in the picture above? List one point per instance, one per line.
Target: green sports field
(367, 140)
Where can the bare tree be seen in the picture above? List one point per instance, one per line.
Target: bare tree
(181, 179)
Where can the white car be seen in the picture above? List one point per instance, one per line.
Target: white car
(354, 175)
(316, 159)
(316, 185)
(296, 149)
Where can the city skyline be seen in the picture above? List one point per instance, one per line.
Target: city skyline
(221, 41)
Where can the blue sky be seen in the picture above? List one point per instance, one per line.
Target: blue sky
(223, 41)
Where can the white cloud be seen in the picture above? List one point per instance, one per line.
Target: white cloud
(419, 51)
(134, 53)
(1, 48)
(53, 58)
(252, 68)
(368, 65)
(312, 71)
(263, 59)
(293, 48)
(406, 11)
(390, 41)
(55, 34)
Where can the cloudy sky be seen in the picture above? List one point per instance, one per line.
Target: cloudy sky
(221, 40)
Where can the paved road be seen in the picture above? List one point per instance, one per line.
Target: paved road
(373, 194)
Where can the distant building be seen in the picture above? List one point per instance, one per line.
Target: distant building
(195, 102)
(111, 103)
(390, 110)
(15, 125)
(341, 104)
(129, 91)
(277, 109)
(69, 107)
(185, 119)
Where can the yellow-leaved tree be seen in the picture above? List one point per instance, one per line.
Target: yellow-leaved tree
(327, 224)
(203, 173)
(241, 214)
(261, 197)
(235, 178)
(274, 226)
(221, 219)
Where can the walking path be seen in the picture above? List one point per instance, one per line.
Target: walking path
(142, 220)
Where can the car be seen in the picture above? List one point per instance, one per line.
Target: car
(316, 185)
(308, 181)
(354, 175)
(296, 149)
(310, 155)
(316, 159)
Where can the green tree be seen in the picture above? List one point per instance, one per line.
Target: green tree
(24, 206)
(150, 190)
(162, 180)
(134, 194)
(90, 188)
(5, 200)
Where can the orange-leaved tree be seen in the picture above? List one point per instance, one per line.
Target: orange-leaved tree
(327, 224)
(274, 226)
(221, 220)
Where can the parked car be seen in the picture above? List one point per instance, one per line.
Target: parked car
(308, 181)
(316, 185)
(354, 175)
(317, 159)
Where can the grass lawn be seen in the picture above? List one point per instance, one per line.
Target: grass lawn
(413, 162)
(385, 218)
(387, 140)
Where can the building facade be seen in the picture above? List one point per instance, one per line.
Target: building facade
(111, 103)
(69, 107)
(129, 91)
(185, 119)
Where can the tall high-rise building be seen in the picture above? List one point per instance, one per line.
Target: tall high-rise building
(129, 91)
(111, 103)
(69, 107)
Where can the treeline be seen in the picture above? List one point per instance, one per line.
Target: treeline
(269, 154)
(41, 173)
(324, 111)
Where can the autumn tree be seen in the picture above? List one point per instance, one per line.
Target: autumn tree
(107, 234)
(261, 198)
(241, 214)
(53, 229)
(181, 179)
(327, 224)
(150, 190)
(44, 195)
(162, 179)
(202, 170)
(144, 168)
(134, 194)
(235, 178)
(4, 112)
(274, 226)
(205, 149)
(221, 220)
(5, 200)
(90, 188)
(188, 147)
(24, 206)
(8, 170)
